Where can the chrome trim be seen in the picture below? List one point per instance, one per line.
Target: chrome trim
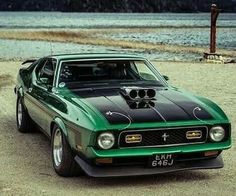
(210, 134)
(55, 72)
(57, 147)
(19, 113)
(168, 145)
(58, 74)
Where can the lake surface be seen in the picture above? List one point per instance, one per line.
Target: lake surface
(226, 37)
(168, 28)
(91, 20)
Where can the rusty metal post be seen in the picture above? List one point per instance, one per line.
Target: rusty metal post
(214, 16)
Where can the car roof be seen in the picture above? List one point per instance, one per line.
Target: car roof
(91, 56)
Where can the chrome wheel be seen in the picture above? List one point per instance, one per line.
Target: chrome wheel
(19, 113)
(57, 147)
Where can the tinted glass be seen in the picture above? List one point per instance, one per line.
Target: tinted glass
(106, 71)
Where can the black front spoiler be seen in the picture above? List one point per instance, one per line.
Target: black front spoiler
(118, 171)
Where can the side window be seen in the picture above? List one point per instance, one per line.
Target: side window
(39, 67)
(49, 66)
(143, 70)
(45, 73)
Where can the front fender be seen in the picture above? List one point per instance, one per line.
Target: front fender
(214, 107)
(19, 91)
(58, 121)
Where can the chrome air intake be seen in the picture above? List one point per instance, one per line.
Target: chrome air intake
(141, 104)
(137, 94)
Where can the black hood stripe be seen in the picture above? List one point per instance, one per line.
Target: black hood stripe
(137, 115)
(168, 105)
(158, 113)
(187, 105)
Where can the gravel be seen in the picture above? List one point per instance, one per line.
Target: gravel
(25, 160)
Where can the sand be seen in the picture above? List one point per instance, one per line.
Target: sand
(25, 160)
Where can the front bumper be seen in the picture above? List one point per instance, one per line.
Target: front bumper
(134, 152)
(118, 171)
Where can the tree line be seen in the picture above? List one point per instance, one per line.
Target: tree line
(129, 6)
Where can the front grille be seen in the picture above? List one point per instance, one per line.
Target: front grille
(162, 137)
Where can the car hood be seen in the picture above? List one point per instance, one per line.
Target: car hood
(168, 105)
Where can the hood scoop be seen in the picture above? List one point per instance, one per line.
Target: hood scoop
(137, 97)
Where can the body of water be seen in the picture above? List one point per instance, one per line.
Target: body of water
(92, 20)
(226, 37)
(167, 28)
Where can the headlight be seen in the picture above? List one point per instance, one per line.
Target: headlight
(106, 140)
(217, 133)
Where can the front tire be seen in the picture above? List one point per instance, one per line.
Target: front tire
(24, 122)
(62, 155)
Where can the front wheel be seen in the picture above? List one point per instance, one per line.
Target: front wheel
(62, 155)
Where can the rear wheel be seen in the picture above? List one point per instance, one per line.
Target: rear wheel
(62, 155)
(24, 122)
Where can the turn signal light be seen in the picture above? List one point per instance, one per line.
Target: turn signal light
(104, 160)
(210, 153)
(196, 134)
(133, 138)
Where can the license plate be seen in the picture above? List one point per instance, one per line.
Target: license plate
(161, 160)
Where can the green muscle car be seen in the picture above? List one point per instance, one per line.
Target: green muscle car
(115, 115)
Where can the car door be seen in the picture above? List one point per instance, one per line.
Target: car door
(39, 92)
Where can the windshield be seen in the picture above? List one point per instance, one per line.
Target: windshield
(79, 73)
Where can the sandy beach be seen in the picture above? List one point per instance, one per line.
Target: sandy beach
(25, 160)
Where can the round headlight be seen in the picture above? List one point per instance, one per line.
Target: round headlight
(217, 133)
(106, 140)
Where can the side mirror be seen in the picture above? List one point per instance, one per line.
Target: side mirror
(46, 75)
(166, 77)
(44, 81)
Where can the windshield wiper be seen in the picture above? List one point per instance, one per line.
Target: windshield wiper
(142, 82)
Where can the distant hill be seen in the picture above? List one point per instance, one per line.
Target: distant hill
(116, 5)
